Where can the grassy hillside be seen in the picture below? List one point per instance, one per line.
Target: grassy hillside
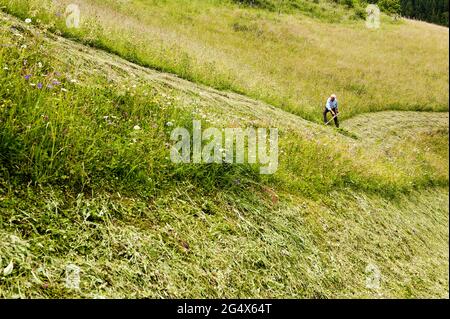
(85, 179)
(291, 60)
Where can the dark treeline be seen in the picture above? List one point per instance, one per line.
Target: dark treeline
(435, 11)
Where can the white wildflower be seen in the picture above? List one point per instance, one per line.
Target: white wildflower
(136, 127)
(27, 20)
(8, 269)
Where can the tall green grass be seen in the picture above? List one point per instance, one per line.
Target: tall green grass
(81, 133)
(81, 183)
(289, 60)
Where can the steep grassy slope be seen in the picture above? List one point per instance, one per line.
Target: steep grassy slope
(291, 61)
(80, 185)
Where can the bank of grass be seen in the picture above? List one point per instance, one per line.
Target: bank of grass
(187, 244)
(289, 60)
(86, 179)
(82, 137)
(108, 137)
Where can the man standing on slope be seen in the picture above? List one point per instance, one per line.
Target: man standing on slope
(332, 106)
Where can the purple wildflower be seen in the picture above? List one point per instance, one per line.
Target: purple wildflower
(56, 82)
(27, 77)
(39, 86)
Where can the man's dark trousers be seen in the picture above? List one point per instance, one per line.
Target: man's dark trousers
(336, 120)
